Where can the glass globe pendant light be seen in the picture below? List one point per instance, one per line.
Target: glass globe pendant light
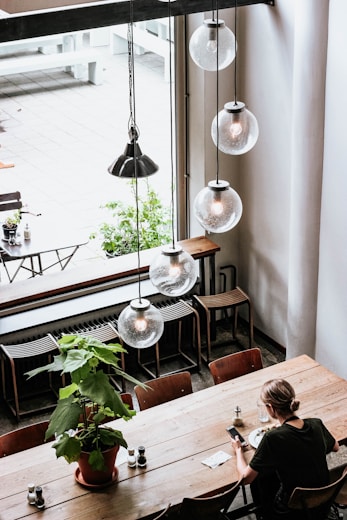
(174, 271)
(203, 45)
(217, 207)
(235, 129)
(140, 324)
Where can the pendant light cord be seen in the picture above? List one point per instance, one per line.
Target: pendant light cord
(171, 133)
(217, 97)
(235, 59)
(134, 131)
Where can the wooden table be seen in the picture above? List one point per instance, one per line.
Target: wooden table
(177, 435)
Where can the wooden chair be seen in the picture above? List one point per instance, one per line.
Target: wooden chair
(23, 438)
(157, 516)
(214, 507)
(315, 503)
(341, 498)
(163, 389)
(222, 301)
(235, 365)
(10, 356)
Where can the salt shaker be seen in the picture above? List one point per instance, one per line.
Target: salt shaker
(131, 458)
(141, 458)
(237, 419)
(31, 496)
(40, 501)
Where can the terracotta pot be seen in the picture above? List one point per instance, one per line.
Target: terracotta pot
(96, 477)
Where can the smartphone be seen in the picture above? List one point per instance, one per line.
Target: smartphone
(233, 432)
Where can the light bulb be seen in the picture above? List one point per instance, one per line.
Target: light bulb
(237, 130)
(203, 45)
(140, 325)
(217, 207)
(174, 271)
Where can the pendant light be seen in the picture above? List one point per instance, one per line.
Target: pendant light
(235, 129)
(203, 45)
(140, 324)
(174, 271)
(217, 207)
(124, 166)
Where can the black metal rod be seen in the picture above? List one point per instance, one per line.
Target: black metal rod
(88, 16)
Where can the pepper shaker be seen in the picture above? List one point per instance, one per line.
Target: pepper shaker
(40, 501)
(141, 458)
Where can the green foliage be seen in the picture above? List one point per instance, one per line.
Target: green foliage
(13, 220)
(119, 235)
(88, 400)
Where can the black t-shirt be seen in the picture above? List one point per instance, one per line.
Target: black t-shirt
(298, 456)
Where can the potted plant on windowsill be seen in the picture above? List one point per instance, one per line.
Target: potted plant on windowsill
(85, 404)
(10, 224)
(119, 234)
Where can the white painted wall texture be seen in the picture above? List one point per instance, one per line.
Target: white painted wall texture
(291, 244)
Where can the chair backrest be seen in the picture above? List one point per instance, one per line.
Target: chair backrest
(318, 499)
(23, 438)
(235, 365)
(208, 508)
(10, 201)
(163, 389)
(127, 399)
(157, 516)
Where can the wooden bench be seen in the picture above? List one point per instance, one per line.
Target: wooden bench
(28, 63)
(143, 39)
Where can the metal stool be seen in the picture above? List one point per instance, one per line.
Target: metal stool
(222, 301)
(104, 332)
(170, 313)
(12, 354)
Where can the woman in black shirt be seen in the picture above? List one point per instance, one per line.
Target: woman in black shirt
(291, 455)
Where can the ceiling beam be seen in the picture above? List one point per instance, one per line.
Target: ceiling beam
(102, 14)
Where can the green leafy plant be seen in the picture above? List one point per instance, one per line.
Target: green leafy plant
(13, 220)
(119, 235)
(88, 400)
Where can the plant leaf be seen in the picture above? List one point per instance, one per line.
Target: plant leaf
(65, 417)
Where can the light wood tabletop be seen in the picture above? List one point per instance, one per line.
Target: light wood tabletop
(178, 436)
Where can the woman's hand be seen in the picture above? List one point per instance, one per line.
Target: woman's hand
(236, 443)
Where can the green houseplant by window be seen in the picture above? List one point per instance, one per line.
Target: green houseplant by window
(87, 402)
(119, 234)
(11, 223)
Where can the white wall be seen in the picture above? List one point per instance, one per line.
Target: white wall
(263, 244)
(332, 286)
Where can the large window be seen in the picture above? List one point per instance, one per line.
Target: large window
(61, 133)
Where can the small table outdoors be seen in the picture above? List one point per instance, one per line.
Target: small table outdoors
(64, 245)
(178, 436)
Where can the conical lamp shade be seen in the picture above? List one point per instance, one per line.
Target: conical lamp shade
(124, 166)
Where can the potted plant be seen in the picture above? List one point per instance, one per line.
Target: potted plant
(119, 234)
(85, 404)
(11, 223)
